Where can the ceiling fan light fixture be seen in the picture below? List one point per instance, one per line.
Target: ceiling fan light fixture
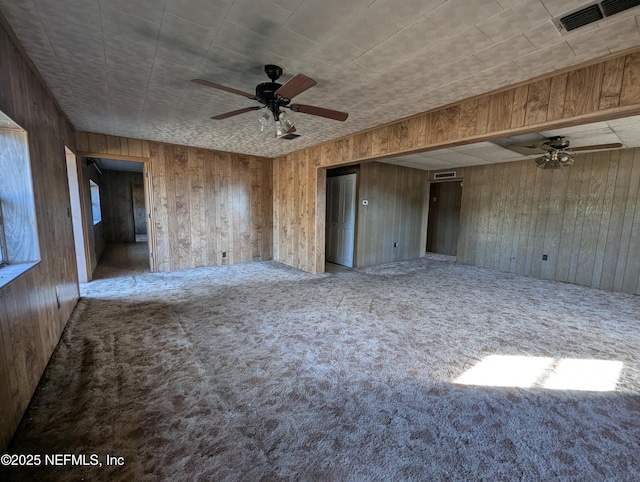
(286, 122)
(266, 121)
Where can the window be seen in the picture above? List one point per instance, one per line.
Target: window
(95, 202)
(19, 247)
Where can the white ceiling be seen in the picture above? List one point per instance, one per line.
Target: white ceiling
(123, 67)
(625, 131)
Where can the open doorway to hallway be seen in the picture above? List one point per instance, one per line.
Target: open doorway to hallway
(124, 224)
(445, 199)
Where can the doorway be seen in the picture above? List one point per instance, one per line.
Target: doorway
(76, 216)
(341, 219)
(445, 199)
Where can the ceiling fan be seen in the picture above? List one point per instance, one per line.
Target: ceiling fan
(274, 97)
(558, 153)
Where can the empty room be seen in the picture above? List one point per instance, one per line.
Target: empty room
(320, 240)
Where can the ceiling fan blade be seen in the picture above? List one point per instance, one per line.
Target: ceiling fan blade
(597, 147)
(236, 112)
(319, 111)
(223, 87)
(294, 86)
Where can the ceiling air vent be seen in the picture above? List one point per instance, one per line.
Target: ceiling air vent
(592, 13)
(445, 175)
(611, 7)
(581, 18)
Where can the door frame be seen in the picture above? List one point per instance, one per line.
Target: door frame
(148, 198)
(459, 179)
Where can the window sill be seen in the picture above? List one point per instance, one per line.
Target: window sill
(11, 272)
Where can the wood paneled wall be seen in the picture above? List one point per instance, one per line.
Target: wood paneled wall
(299, 210)
(585, 218)
(603, 90)
(116, 199)
(30, 320)
(205, 203)
(396, 213)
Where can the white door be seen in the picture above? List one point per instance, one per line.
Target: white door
(341, 219)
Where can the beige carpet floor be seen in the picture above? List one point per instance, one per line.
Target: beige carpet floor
(419, 370)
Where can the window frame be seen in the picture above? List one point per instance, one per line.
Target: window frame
(3, 244)
(96, 204)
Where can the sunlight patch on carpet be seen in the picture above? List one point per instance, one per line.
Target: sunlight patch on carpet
(544, 372)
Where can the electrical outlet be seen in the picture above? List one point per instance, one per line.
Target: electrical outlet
(395, 245)
(545, 257)
(224, 254)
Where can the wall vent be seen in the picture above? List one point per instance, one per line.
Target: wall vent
(445, 175)
(592, 13)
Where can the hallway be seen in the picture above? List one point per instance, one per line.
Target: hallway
(123, 259)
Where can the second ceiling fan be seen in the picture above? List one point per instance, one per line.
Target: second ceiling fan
(275, 96)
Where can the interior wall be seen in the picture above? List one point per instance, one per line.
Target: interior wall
(116, 197)
(584, 218)
(139, 209)
(31, 321)
(299, 197)
(205, 203)
(606, 89)
(396, 213)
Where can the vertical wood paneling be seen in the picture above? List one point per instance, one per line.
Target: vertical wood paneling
(582, 92)
(30, 321)
(557, 98)
(612, 83)
(538, 101)
(117, 205)
(586, 218)
(396, 213)
(630, 93)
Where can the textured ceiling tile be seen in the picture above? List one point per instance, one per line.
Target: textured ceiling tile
(84, 49)
(290, 45)
(239, 39)
(290, 5)
(208, 13)
(417, 37)
(547, 58)
(368, 29)
(629, 135)
(615, 36)
(505, 51)
(337, 52)
(183, 42)
(258, 16)
(119, 48)
(514, 20)
(381, 58)
(405, 12)
(150, 10)
(614, 124)
(221, 58)
(460, 46)
(560, 7)
(509, 3)
(318, 20)
(493, 153)
(315, 69)
(456, 16)
(128, 26)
